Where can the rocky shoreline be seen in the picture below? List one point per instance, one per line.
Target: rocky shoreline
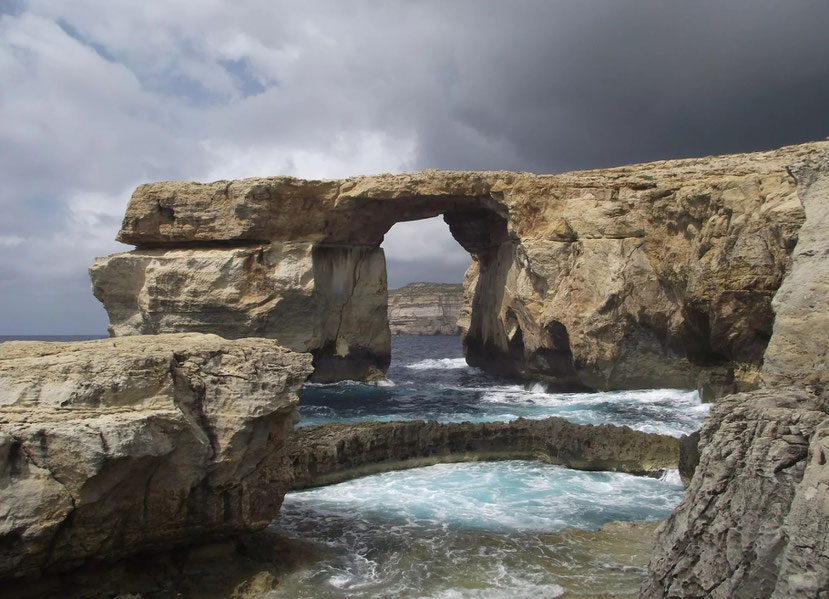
(711, 273)
(118, 446)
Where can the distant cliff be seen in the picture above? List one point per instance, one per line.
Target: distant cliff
(425, 309)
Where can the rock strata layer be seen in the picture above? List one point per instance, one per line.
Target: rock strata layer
(116, 446)
(658, 274)
(425, 309)
(332, 453)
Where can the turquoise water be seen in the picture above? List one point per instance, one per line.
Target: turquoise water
(477, 530)
(463, 530)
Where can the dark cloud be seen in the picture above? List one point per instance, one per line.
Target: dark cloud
(103, 96)
(587, 85)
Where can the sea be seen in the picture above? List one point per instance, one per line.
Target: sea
(481, 530)
(484, 530)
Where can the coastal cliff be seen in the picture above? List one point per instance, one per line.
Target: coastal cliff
(425, 309)
(658, 274)
(755, 521)
(116, 446)
(709, 273)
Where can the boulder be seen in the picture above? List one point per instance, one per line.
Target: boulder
(115, 446)
(688, 457)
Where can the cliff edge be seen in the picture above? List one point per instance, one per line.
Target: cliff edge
(755, 521)
(425, 309)
(658, 274)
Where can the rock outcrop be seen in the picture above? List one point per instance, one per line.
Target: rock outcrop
(654, 274)
(755, 521)
(754, 524)
(425, 309)
(116, 446)
(335, 452)
(799, 351)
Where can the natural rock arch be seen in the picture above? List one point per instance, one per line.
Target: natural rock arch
(656, 274)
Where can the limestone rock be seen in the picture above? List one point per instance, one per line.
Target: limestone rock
(425, 309)
(335, 452)
(115, 446)
(754, 521)
(653, 274)
(798, 351)
(300, 295)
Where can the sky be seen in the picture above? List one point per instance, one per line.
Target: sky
(98, 97)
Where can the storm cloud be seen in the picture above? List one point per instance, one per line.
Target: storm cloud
(98, 97)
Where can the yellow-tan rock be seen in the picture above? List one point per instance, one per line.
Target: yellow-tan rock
(654, 274)
(116, 446)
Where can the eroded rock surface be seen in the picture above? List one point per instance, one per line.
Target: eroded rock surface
(335, 452)
(751, 520)
(425, 309)
(115, 446)
(798, 351)
(755, 521)
(653, 274)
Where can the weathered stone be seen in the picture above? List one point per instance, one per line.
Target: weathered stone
(654, 274)
(751, 520)
(754, 523)
(301, 295)
(335, 452)
(115, 446)
(804, 564)
(798, 350)
(425, 309)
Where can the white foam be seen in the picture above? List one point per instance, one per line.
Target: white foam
(439, 364)
(383, 383)
(671, 477)
(536, 394)
(506, 496)
(517, 589)
(352, 383)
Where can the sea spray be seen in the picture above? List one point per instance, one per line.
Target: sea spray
(424, 387)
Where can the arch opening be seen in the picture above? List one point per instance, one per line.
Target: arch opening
(352, 281)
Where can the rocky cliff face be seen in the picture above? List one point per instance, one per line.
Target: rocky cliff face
(755, 521)
(139, 443)
(332, 453)
(425, 309)
(654, 274)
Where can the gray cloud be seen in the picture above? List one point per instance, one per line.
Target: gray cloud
(99, 97)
